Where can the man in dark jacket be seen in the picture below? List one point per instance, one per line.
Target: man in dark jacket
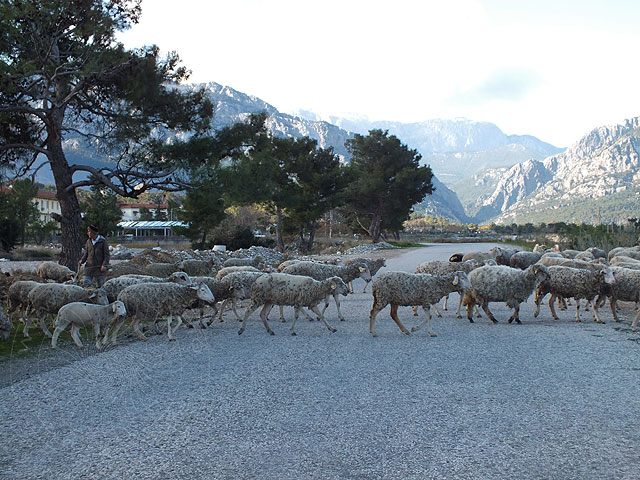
(96, 254)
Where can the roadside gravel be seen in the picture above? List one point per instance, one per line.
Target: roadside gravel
(544, 399)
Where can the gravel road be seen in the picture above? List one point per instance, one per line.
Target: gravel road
(545, 399)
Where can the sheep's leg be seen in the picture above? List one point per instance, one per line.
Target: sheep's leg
(458, 309)
(470, 312)
(171, 330)
(577, 310)
(427, 320)
(296, 314)
(337, 299)
(444, 305)
(315, 310)
(281, 309)
(596, 316)
(515, 315)
(538, 300)
(222, 309)
(375, 310)
(394, 315)
(56, 333)
(635, 321)
(96, 333)
(75, 334)
(485, 307)
(415, 310)
(136, 329)
(551, 307)
(234, 307)
(263, 315)
(43, 326)
(311, 319)
(27, 325)
(612, 304)
(350, 285)
(435, 310)
(250, 309)
(366, 284)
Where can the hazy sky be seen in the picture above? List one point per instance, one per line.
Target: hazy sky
(550, 68)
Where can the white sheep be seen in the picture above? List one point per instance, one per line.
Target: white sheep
(441, 267)
(257, 262)
(238, 268)
(115, 285)
(502, 254)
(152, 301)
(625, 288)
(321, 271)
(499, 283)
(18, 300)
(5, 327)
(328, 260)
(232, 288)
(82, 314)
(409, 289)
(195, 267)
(48, 298)
(56, 272)
(523, 260)
(293, 290)
(374, 265)
(576, 283)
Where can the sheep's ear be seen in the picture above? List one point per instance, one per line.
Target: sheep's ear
(114, 307)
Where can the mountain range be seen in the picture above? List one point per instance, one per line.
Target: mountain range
(480, 173)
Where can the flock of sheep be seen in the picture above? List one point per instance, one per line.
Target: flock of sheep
(165, 291)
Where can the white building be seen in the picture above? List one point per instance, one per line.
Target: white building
(131, 211)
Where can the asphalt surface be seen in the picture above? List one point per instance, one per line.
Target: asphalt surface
(545, 399)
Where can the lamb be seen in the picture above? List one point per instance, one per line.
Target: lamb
(500, 283)
(577, 283)
(523, 260)
(257, 262)
(5, 327)
(294, 290)
(372, 264)
(151, 301)
(18, 300)
(56, 272)
(402, 288)
(82, 314)
(115, 285)
(321, 271)
(238, 268)
(48, 298)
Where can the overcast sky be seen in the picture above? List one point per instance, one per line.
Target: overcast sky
(550, 68)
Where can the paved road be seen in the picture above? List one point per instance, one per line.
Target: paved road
(544, 399)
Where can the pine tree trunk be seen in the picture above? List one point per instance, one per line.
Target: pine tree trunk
(279, 240)
(70, 218)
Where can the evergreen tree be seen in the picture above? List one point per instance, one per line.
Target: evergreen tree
(387, 181)
(102, 210)
(63, 74)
